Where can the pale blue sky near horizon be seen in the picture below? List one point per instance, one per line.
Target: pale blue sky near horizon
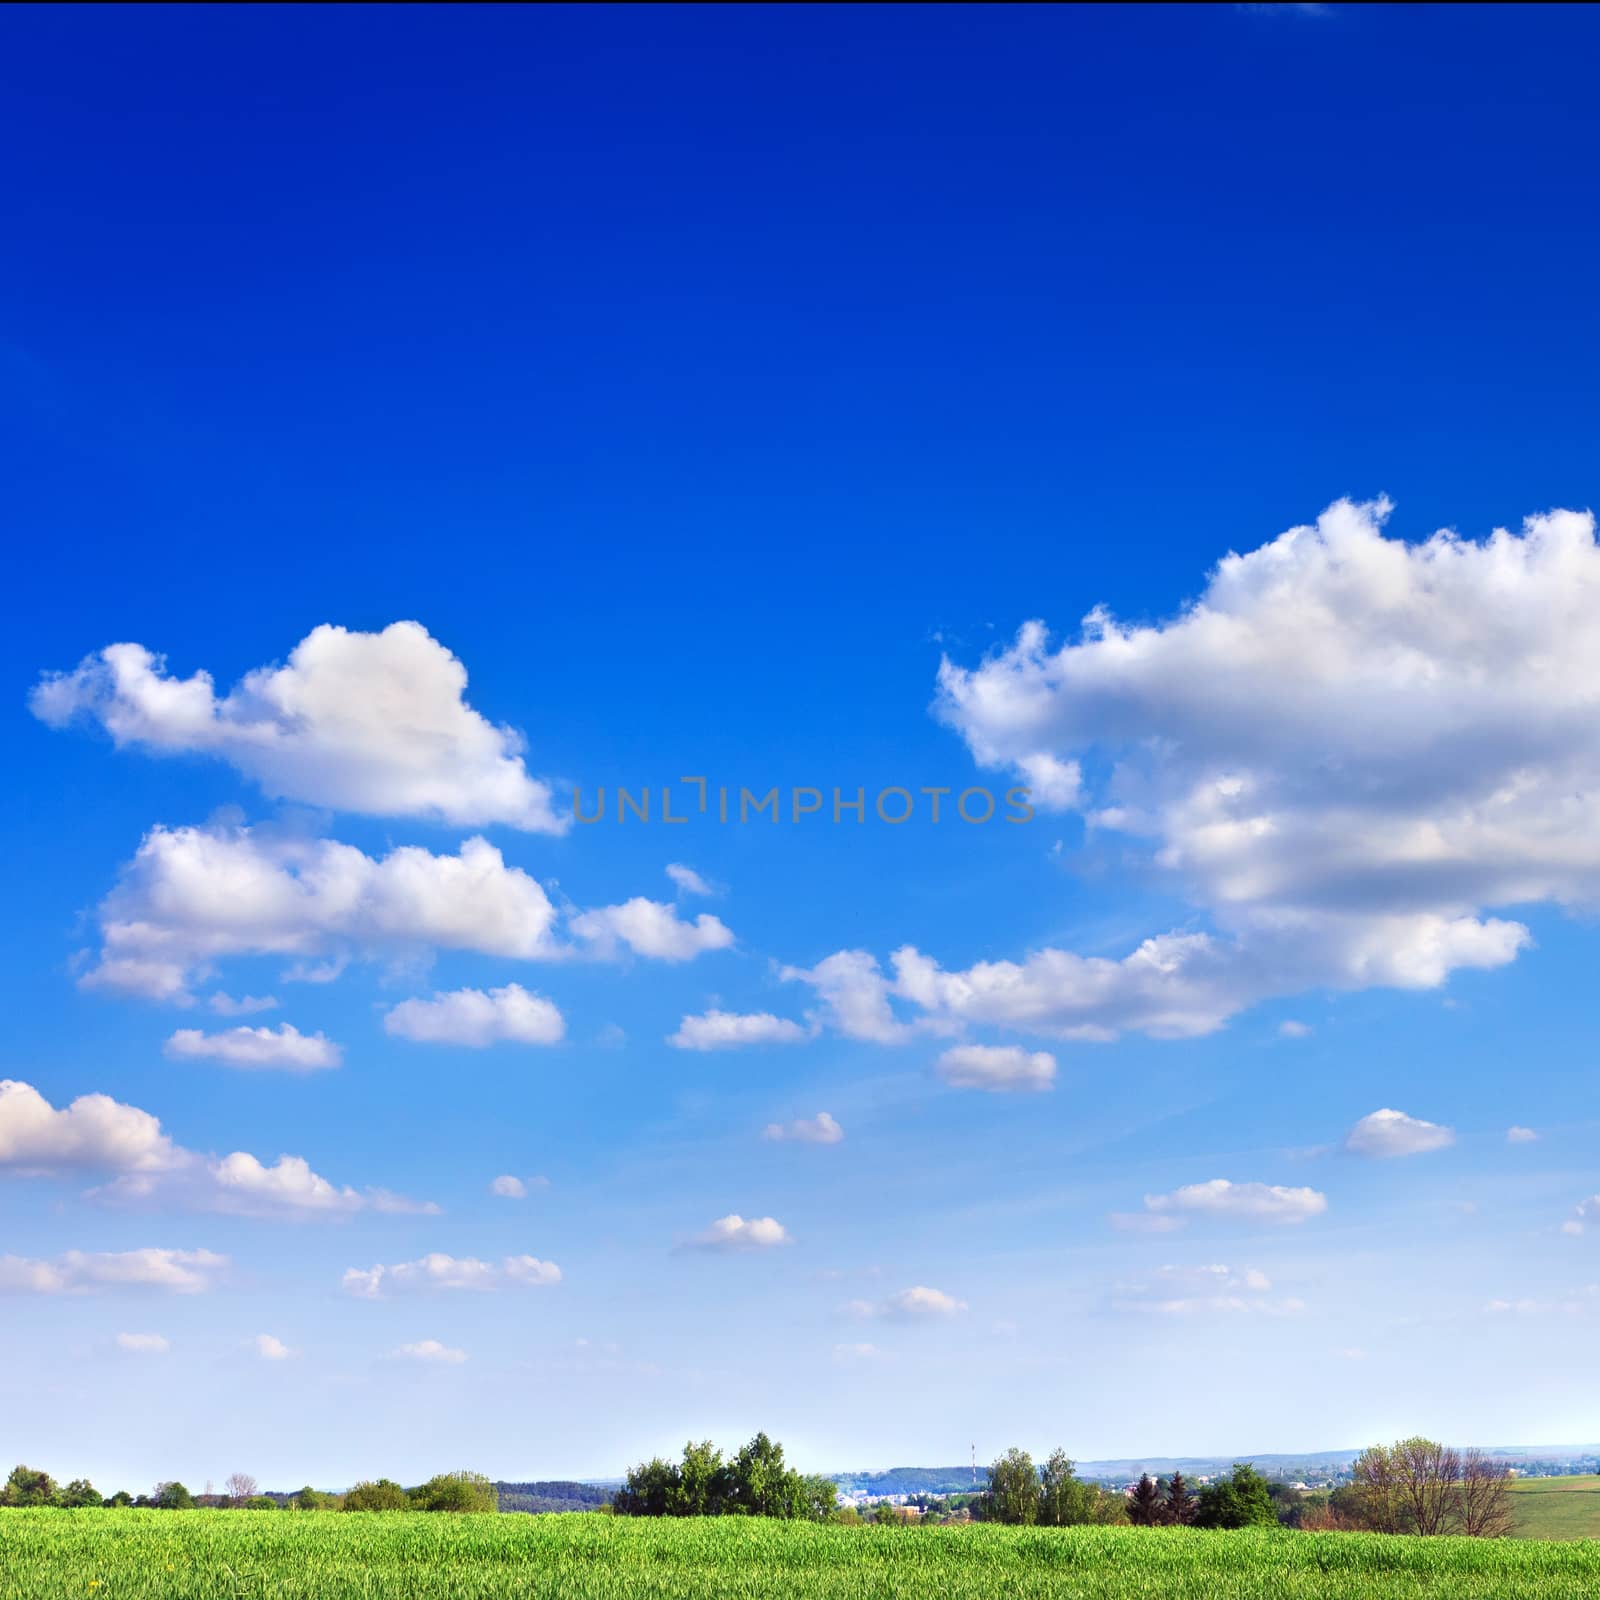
(700, 379)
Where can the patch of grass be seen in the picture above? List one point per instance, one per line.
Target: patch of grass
(1556, 1508)
(210, 1555)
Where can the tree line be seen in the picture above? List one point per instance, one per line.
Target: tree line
(754, 1482)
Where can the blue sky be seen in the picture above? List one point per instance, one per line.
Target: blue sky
(697, 382)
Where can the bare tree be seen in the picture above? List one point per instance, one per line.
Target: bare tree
(1375, 1475)
(1485, 1497)
(241, 1487)
(1430, 1488)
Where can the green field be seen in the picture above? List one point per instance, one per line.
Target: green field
(1557, 1508)
(210, 1555)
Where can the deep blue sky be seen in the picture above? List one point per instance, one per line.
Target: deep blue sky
(696, 375)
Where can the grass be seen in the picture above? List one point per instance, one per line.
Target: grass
(209, 1555)
(1557, 1508)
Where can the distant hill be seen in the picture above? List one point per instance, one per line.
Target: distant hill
(551, 1494)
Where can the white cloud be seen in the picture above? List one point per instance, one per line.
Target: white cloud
(1202, 1290)
(1254, 1202)
(83, 1272)
(471, 1017)
(368, 722)
(855, 995)
(439, 1271)
(93, 1132)
(245, 1006)
(272, 1349)
(651, 928)
(431, 1350)
(257, 1048)
(1348, 752)
(1001, 1069)
(727, 1030)
(820, 1129)
(734, 1232)
(193, 895)
(1294, 1030)
(1393, 1133)
(688, 880)
(509, 1188)
(918, 1304)
(144, 1344)
(1517, 1135)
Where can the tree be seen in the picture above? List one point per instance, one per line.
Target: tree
(79, 1493)
(1145, 1506)
(120, 1498)
(309, 1499)
(457, 1491)
(241, 1487)
(819, 1498)
(647, 1490)
(703, 1485)
(1485, 1497)
(1430, 1493)
(1013, 1493)
(1375, 1499)
(1240, 1500)
(28, 1486)
(886, 1514)
(382, 1494)
(260, 1502)
(172, 1496)
(1180, 1506)
(762, 1486)
(1064, 1498)
(1289, 1503)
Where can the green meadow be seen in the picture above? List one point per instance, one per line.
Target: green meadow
(1556, 1508)
(204, 1555)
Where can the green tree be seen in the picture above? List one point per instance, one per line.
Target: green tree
(702, 1485)
(457, 1491)
(1289, 1503)
(260, 1502)
(647, 1490)
(79, 1493)
(820, 1498)
(1240, 1500)
(120, 1498)
(28, 1486)
(886, 1515)
(1064, 1498)
(1180, 1506)
(309, 1499)
(1146, 1508)
(382, 1494)
(762, 1485)
(1013, 1493)
(172, 1496)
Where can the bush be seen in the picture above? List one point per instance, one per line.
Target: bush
(455, 1491)
(384, 1494)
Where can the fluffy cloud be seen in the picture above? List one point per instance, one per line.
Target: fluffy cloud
(650, 928)
(727, 1030)
(1294, 1030)
(367, 722)
(1001, 1069)
(918, 1304)
(687, 879)
(439, 1271)
(97, 1133)
(734, 1232)
(1194, 1291)
(1520, 1136)
(144, 1344)
(192, 895)
(471, 1017)
(430, 1350)
(94, 1132)
(84, 1272)
(1393, 1133)
(1348, 751)
(245, 1006)
(820, 1129)
(271, 1349)
(1250, 1202)
(254, 1049)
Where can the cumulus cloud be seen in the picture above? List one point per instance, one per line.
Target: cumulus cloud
(1393, 1133)
(733, 1232)
(97, 1133)
(432, 1351)
(918, 1304)
(855, 996)
(727, 1030)
(367, 722)
(256, 1049)
(85, 1272)
(193, 895)
(271, 1349)
(93, 1132)
(1517, 1135)
(440, 1272)
(471, 1017)
(1001, 1069)
(144, 1344)
(820, 1129)
(651, 928)
(688, 880)
(1199, 1290)
(1248, 1202)
(1348, 753)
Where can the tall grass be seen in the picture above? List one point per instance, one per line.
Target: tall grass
(209, 1555)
